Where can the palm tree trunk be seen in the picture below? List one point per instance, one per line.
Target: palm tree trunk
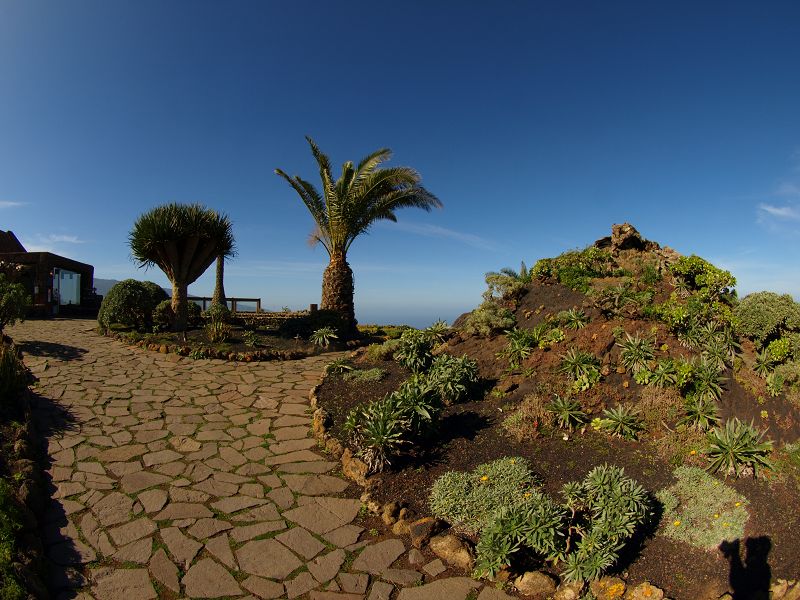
(219, 287)
(337, 293)
(180, 293)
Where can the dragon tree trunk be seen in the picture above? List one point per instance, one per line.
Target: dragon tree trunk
(219, 287)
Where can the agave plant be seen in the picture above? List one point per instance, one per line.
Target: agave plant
(573, 318)
(701, 413)
(707, 381)
(338, 367)
(764, 364)
(323, 337)
(737, 446)
(568, 412)
(636, 352)
(664, 373)
(521, 343)
(622, 421)
(716, 352)
(576, 362)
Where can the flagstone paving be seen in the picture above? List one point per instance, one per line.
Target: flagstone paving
(174, 477)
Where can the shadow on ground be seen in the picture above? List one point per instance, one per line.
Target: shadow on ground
(51, 350)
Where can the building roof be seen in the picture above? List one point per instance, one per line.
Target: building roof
(10, 243)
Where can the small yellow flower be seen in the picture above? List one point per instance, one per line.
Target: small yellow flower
(677, 523)
(485, 478)
(527, 494)
(513, 461)
(738, 504)
(716, 516)
(693, 452)
(725, 524)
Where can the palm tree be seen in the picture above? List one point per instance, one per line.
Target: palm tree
(346, 208)
(182, 240)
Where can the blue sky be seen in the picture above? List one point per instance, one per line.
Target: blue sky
(538, 125)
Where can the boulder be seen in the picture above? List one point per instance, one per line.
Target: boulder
(422, 530)
(644, 591)
(608, 588)
(353, 468)
(568, 591)
(537, 584)
(453, 551)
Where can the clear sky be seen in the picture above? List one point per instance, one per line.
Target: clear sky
(538, 125)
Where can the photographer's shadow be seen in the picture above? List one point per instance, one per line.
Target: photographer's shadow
(749, 577)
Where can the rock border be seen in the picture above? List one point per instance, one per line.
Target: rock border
(249, 356)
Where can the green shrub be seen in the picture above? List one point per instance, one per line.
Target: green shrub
(130, 303)
(702, 511)
(701, 413)
(381, 428)
(251, 339)
(10, 524)
(452, 378)
(14, 376)
(415, 350)
(707, 382)
(567, 412)
(573, 318)
(217, 312)
(364, 375)
(14, 302)
(469, 501)
(737, 448)
(378, 431)
(323, 337)
(581, 367)
(599, 515)
(384, 351)
(521, 343)
(699, 275)
(636, 352)
(574, 269)
(664, 374)
(338, 366)
(621, 421)
(487, 319)
(218, 332)
(163, 316)
(507, 285)
(194, 314)
(766, 315)
(779, 350)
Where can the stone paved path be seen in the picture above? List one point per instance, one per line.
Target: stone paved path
(180, 478)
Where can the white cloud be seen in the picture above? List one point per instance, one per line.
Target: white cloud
(9, 204)
(434, 231)
(784, 213)
(62, 239)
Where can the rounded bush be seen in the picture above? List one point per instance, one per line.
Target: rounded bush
(164, 316)
(130, 303)
(763, 316)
